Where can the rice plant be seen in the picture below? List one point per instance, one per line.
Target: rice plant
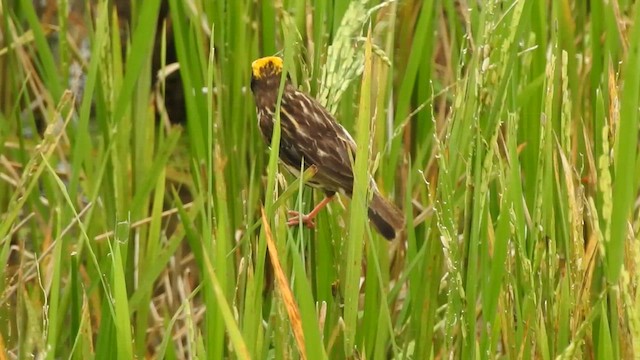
(142, 215)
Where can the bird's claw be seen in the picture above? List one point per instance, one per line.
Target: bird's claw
(296, 218)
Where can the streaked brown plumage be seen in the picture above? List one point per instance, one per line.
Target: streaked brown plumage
(309, 132)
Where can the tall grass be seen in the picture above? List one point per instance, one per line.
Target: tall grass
(506, 130)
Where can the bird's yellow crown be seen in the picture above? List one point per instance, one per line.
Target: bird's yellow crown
(265, 65)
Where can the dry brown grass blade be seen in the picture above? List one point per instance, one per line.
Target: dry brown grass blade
(285, 291)
(3, 349)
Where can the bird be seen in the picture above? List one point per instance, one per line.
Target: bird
(311, 136)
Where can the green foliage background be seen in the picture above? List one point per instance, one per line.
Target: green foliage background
(506, 130)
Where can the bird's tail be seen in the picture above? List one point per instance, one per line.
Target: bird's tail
(385, 216)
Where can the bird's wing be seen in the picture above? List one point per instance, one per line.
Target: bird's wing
(310, 132)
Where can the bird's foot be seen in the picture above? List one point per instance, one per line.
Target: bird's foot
(297, 217)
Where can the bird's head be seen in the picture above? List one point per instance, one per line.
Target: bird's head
(265, 74)
(266, 67)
